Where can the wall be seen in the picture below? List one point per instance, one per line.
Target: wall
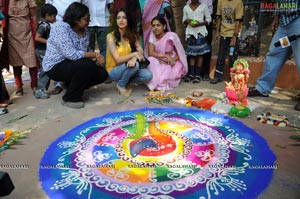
(287, 78)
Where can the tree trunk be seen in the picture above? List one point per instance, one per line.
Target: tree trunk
(177, 6)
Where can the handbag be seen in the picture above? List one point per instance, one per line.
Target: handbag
(144, 64)
(1, 16)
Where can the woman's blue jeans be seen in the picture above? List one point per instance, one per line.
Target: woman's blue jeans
(124, 75)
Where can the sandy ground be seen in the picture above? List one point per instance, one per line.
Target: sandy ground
(48, 119)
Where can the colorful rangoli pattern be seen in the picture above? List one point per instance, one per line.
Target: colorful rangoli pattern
(158, 153)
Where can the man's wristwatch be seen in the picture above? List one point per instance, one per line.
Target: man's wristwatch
(235, 34)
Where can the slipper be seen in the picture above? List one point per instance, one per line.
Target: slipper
(56, 90)
(3, 110)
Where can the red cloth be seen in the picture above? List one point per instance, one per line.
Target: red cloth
(4, 49)
(18, 76)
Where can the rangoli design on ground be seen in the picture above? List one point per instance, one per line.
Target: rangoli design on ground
(158, 153)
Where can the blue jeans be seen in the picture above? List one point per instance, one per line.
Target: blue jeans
(277, 56)
(98, 33)
(124, 75)
(44, 80)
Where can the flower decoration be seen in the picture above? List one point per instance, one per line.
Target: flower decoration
(160, 97)
(205, 103)
(9, 138)
(273, 119)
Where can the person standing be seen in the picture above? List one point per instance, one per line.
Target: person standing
(209, 27)
(18, 49)
(99, 24)
(196, 16)
(207, 57)
(48, 15)
(285, 23)
(229, 18)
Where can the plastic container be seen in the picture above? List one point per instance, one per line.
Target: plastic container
(231, 50)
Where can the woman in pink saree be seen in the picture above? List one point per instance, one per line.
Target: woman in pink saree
(156, 8)
(167, 57)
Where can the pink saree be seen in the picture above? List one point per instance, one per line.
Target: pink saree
(165, 76)
(151, 10)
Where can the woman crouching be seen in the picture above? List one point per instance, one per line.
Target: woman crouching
(67, 58)
(123, 53)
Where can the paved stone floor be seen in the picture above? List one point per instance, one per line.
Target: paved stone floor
(48, 119)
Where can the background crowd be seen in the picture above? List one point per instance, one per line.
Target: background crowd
(79, 44)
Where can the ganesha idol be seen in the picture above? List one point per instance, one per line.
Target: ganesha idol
(236, 90)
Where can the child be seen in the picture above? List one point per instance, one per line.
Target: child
(194, 14)
(48, 15)
(229, 18)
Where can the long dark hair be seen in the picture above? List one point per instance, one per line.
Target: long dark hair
(74, 13)
(161, 20)
(130, 32)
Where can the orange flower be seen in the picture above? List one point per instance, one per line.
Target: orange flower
(8, 134)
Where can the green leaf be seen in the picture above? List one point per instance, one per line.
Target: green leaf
(16, 119)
